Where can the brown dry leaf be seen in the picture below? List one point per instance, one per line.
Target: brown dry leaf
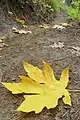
(15, 30)
(65, 24)
(59, 27)
(45, 26)
(57, 45)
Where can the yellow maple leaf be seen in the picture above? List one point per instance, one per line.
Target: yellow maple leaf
(42, 88)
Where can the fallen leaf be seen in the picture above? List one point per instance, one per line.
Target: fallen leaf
(60, 27)
(23, 31)
(74, 50)
(65, 24)
(41, 88)
(20, 21)
(15, 30)
(57, 45)
(45, 26)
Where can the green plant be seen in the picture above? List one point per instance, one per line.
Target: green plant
(49, 5)
(74, 10)
(56, 5)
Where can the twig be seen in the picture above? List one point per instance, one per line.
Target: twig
(73, 90)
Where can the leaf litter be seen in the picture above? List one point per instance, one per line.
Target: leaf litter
(21, 31)
(61, 26)
(57, 45)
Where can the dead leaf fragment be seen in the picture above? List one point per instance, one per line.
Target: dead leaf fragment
(57, 45)
(61, 26)
(40, 95)
(65, 24)
(45, 26)
(15, 30)
(58, 27)
(23, 31)
(74, 50)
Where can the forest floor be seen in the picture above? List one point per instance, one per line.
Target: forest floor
(59, 48)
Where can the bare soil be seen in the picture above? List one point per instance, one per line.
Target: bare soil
(34, 48)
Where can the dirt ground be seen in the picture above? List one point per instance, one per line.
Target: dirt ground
(42, 44)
